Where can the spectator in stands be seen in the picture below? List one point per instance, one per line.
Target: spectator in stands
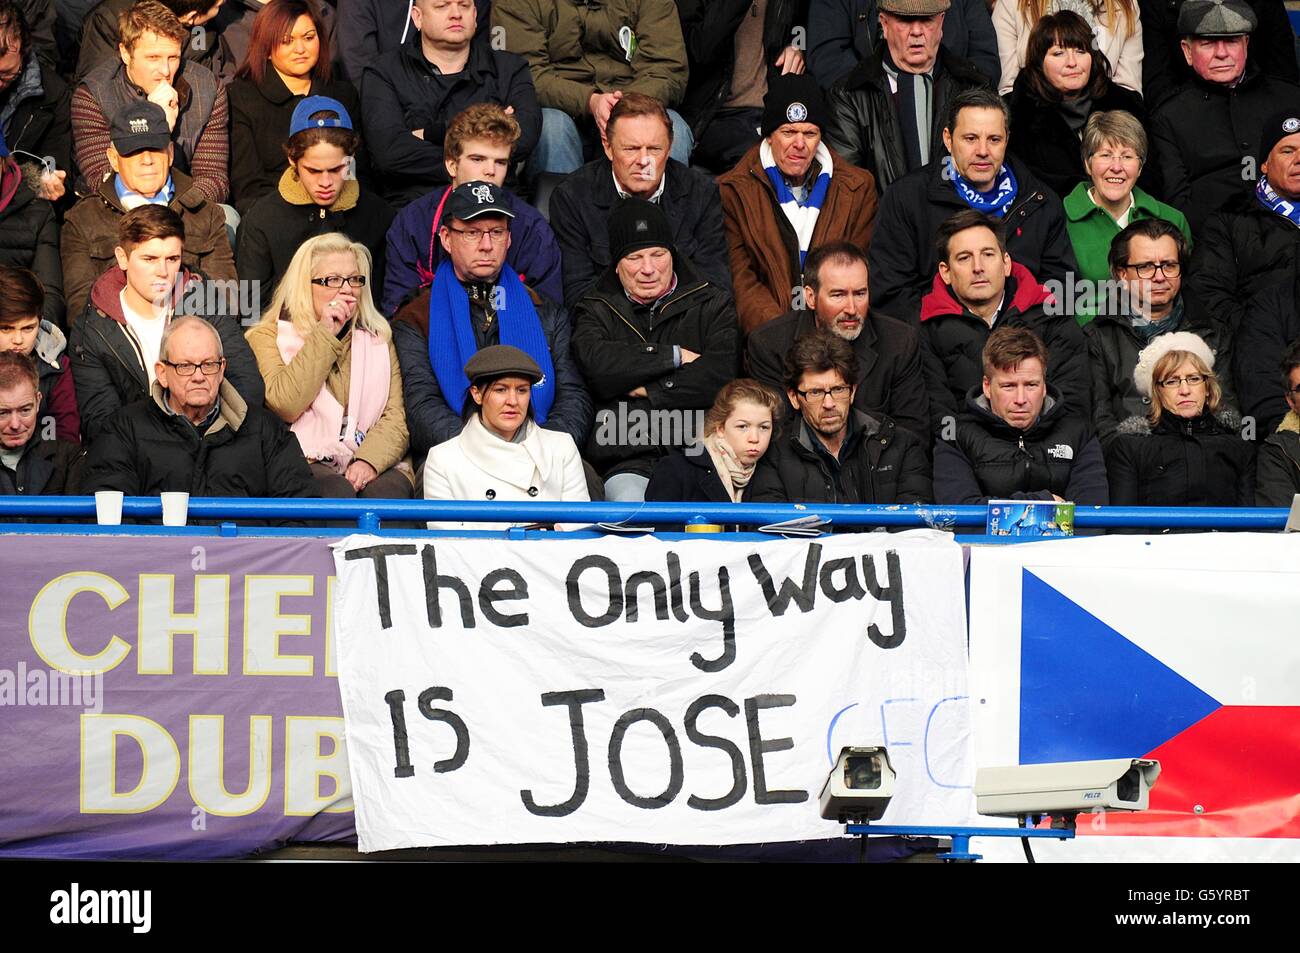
(789, 194)
(890, 109)
(23, 331)
(1271, 325)
(115, 342)
(29, 231)
(842, 33)
(835, 297)
(502, 454)
(980, 288)
(1206, 136)
(834, 453)
(1066, 79)
(29, 465)
(1148, 257)
(1115, 24)
(1277, 467)
(1114, 156)
(732, 47)
(370, 28)
(34, 104)
(654, 341)
(478, 148)
(140, 156)
(1165, 70)
(288, 59)
(149, 68)
(978, 175)
(411, 94)
(317, 195)
(41, 17)
(477, 300)
(1250, 246)
(1186, 451)
(195, 433)
(637, 141)
(718, 468)
(1015, 438)
(583, 64)
(332, 374)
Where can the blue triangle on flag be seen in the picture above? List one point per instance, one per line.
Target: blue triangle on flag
(1087, 692)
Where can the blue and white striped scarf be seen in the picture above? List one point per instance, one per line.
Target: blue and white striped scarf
(1275, 203)
(802, 216)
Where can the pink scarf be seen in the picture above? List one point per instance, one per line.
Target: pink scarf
(326, 435)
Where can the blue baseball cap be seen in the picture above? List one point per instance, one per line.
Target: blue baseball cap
(303, 112)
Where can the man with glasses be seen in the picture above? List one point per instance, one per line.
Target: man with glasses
(477, 300)
(835, 453)
(115, 343)
(194, 433)
(1146, 263)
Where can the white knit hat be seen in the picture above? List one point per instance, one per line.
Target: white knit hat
(1162, 345)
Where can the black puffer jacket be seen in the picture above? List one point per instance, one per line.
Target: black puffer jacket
(1240, 253)
(709, 30)
(682, 477)
(953, 339)
(902, 256)
(1113, 348)
(1202, 136)
(579, 216)
(865, 130)
(46, 468)
(244, 452)
(989, 459)
(1277, 468)
(29, 238)
(1199, 462)
(1270, 328)
(620, 346)
(1044, 141)
(42, 117)
(879, 463)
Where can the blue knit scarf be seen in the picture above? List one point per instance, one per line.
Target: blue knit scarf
(1275, 203)
(994, 202)
(452, 342)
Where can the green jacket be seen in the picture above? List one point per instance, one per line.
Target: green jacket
(575, 50)
(1092, 229)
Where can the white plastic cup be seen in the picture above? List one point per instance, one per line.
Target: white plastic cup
(108, 507)
(175, 507)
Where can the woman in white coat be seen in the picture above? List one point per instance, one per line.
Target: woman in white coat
(502, 454)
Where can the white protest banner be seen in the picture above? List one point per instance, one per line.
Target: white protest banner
(641, 690)
(1178, 648)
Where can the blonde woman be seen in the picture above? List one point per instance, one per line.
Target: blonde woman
(1115, 24)
(331, 371)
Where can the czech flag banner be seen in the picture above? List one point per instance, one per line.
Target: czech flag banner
(1181, 648)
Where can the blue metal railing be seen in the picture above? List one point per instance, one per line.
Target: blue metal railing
(369, 515)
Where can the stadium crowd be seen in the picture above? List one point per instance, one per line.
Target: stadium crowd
(863, 251)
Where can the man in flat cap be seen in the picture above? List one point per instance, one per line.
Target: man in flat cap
(889, 111)
(1206, 137)
(789, 193)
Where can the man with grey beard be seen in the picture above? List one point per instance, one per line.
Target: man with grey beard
(835, 298)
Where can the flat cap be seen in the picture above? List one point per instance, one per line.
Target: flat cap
(1216, 18)
(502, 360)
(913, 8)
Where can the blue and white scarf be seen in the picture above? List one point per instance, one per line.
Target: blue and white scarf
(452, 342)
(994, 202)
(801, 215)
(1275, 203)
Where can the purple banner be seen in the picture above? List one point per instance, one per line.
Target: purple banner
(168, 697)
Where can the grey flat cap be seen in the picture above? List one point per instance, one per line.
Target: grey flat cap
(1216, 18)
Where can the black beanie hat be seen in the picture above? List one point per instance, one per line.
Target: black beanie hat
(794, 97)
(635, 224)
(1282, 123)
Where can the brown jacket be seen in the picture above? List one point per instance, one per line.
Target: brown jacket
(90, 234)
(764, 250)
(326, 359)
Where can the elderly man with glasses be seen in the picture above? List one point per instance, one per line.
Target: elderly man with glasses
(477, 300)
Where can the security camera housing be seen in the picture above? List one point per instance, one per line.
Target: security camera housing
(1115, 784)
(859, 787)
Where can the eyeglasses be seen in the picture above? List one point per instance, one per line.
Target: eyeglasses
(1148, 269)
(337, 281)
(186, 369)
(472, 236)
(818, 394)
(1109, 157)
(1192, 380)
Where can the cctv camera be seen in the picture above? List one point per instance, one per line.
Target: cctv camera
(859, 787)
(1117, 784)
